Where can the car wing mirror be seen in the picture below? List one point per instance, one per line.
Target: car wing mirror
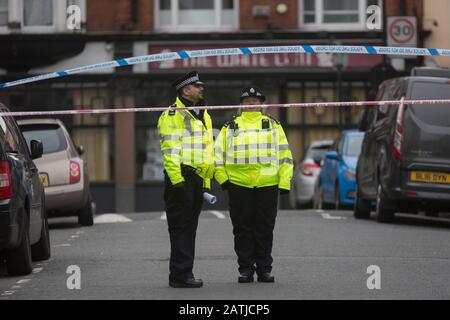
(80, 150)
(36, 148)
(317, 160)
(332, 155)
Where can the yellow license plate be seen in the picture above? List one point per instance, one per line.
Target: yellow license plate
(430, 177)
(44, 179)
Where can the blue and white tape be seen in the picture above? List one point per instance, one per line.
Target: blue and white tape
(235, 51)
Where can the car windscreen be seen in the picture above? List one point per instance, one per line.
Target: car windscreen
(438, 114)
(51, 135)
(354, 146)
(317, 152)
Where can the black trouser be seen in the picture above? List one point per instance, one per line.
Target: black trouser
(183, 209)
(253, 212)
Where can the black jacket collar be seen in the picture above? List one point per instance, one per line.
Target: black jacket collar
(189, 103)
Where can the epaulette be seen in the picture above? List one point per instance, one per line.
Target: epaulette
(276, 120)
(232, 124)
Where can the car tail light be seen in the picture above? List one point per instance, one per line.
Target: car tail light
(398, 135)
(5, 180)
(308, 169)
(75, 172)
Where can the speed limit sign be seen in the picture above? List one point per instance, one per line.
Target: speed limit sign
(402, 31)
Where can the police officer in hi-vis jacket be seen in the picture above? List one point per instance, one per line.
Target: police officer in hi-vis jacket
(254, 164)
(187, 146)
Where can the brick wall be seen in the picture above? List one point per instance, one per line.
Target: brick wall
(107, 15)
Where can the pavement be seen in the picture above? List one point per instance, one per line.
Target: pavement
(317, 255)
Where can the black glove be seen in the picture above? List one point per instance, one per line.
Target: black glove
(225, 185)
(283, 191)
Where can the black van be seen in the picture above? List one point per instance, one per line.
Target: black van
(24, 234)
(404, 163)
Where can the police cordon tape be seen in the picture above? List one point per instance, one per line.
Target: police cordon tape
(225, 107)
(380, 50)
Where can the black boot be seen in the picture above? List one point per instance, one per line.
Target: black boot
(245, 277)
(266, 277)
(188, 283)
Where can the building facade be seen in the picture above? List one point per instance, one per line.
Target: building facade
(122, 150)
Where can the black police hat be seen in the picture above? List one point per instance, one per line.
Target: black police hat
(190, 78)
(252, 91)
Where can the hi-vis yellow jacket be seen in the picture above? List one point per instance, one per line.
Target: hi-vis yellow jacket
(184, 139)
(252, 151)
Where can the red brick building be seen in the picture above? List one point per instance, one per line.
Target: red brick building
(122, 150)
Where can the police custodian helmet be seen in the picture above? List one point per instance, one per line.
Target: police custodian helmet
(252, 91)
(190, 78)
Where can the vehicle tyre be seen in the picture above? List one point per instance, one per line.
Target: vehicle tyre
(41, 250)
(323, 204)
(361, 209)
(86, 214)
(293, 198)
(337, 198)
(384, 208)
(18, 260)
(317, 204)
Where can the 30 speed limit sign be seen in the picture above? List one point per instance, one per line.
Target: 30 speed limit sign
(402, 31)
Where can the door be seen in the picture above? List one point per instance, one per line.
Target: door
(31, 181)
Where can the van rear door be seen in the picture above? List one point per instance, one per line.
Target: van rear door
(426, 141)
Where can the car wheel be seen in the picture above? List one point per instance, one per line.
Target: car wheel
(384, 208)
(316, 197)
(18, 260)
(41, 250)
(361, 209)
(86, 214)
(293, 198)
(337, 198)
(323, 204)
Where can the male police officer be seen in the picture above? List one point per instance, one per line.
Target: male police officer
(253, 162)
(188, 157)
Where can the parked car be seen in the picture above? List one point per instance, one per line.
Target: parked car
(62, 170)
(24, 234)
(405, 159)
(336, 183)
(306, 174)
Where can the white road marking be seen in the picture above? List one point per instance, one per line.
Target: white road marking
(79, 232)
(319, 211)
(74, 236)
(37, 270)
(23, 281)
(111, 218)
(8, 293)
(218, 214)
(62, 245)
(330, 217)
(163, 217)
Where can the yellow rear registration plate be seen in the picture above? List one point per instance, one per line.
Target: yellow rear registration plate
(44, 179)
(430, 177)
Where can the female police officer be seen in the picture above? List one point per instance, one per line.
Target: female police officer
(253, 162)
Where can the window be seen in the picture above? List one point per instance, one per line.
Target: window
(51, 135)
(334, 15)
(8, 139)
(354, 144)
(196, 15)
(38, 12)
(3, 13)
